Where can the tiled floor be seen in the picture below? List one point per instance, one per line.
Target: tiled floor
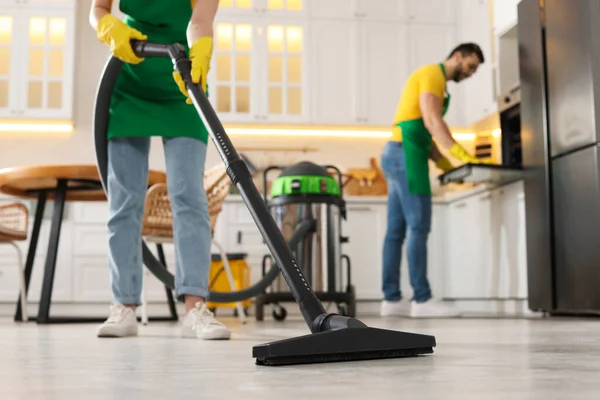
(483, 359)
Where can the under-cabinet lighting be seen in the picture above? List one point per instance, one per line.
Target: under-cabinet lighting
(308, 132)
(16, 127)
(327, 133)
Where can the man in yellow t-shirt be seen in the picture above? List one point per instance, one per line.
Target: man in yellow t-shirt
(419, 116)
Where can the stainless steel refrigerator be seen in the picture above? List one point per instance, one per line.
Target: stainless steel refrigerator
(559, 57)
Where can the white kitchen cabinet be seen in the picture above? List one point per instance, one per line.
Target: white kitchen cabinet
(334, 85)
(262, 7)
(36, 62)
(392, 10)
(334, 9)
(418, 11)
(432, 44)
(365, 227)
(384, 62)
(46, 4)
(486, 246)
(462, 275)
(505, 15)
(479, 91)
(259, 70)
(432, 11)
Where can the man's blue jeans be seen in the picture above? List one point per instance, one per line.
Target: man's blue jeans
(127, 185)
(410, 213)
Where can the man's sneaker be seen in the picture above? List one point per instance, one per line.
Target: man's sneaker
(200, 323)
(431, 309)
(395, 308)
(121, 322)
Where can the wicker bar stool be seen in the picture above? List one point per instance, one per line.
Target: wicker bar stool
(14, 221)
(157, 223)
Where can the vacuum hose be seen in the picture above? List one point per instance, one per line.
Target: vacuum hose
(101, 119)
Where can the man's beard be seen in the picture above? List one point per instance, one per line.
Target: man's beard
(458, 76)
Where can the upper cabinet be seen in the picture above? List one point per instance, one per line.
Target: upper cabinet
(419, 11)
(479, 91)
(36, 60)
(70, 4)
(505, 15)
(258, 70)
(262, 7)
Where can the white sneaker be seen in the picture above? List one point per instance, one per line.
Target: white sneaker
(121, 322)
(395, 308)
(431, 309)
(201, 323)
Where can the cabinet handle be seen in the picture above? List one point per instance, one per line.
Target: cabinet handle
(460, 205)
(359, 208)
(486, 197)
(239, 237)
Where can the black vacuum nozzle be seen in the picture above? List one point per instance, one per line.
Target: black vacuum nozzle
(345, 344)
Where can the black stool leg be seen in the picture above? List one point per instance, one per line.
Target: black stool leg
(35, 235)
(163, 261)
(57, 216)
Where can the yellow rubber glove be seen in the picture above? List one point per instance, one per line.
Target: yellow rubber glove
(200, 54)
(444, 164)
(117, 35)
(461, 154)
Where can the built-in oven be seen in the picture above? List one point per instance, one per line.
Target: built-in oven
(509, 110)
(510, 168)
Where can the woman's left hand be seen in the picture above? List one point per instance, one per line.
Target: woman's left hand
(200, 54)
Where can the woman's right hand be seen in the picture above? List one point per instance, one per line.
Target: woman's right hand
(117, 35)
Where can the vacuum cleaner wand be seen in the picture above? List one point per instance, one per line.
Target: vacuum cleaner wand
(334, 337)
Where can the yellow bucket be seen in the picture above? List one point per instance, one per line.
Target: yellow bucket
(218, 281)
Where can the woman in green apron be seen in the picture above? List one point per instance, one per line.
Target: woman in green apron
(148, 101)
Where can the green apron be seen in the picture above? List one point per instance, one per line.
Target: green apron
(146, 100)
(417, 143)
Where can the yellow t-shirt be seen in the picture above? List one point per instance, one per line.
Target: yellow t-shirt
(429, 78)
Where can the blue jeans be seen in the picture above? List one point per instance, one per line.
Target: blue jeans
(405, 212)
(127, 186)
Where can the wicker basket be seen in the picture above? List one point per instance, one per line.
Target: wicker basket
(158, 217)
(365, 181)
(14, 219)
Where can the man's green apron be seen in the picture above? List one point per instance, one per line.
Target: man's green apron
(146, 99)
(417, 143)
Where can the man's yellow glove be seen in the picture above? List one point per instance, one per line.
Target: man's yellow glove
(200, 54)
(460, 153)
(117, 35)
(444, 164)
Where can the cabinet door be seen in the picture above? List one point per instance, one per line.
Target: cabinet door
(385, 66)
(365, 227)
(463, 271)
(505, 15)
(432, 11)
(46, 4)
(334, 9)
(335, 78)
(238, 7)
(283, 61)
(233, 80)
(46, 83)
(432, 44)
(9, 63)
(513, 260)
(283, 8)
(390, 10)
(477, 91)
